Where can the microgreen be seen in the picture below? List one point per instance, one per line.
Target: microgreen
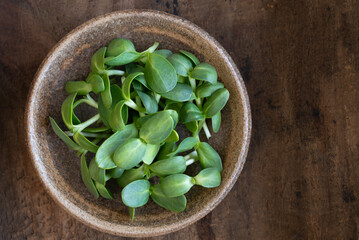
(134, 137)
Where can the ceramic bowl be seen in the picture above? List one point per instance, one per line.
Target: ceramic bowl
(59, 167)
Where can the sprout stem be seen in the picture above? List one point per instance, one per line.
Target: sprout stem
(193, 155)
(132, 105)
(190, 161)
(206, 130)
(84, 125)
(114, 72)
(195, 135)
(152, 48)
(86, 134)
(87, 101)
(91, 101)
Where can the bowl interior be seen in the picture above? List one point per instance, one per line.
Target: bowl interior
(59, 167)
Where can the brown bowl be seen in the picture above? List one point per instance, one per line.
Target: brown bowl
(59, 167)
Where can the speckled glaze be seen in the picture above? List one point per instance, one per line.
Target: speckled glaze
(59, 167)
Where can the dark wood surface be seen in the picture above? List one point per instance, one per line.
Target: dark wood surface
(300, 63)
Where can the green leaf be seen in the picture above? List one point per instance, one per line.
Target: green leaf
(84, 142)
(117, 120)
(206, 89)
(115, 172)
(148, 101)
(181, 64)
(174, 116)
(133, 68)
(138, 86)
(164, 52)
(140, 121)
(173, 137)
(208, 178)
(105, 113)
(106, 94)
(165, 150)
(118, 46)
(81, 87)
(216, 121)
(107, 177)
(169, 166)
(131, 175)
(129, 153)
(171, 105)
(181, 79)
(181, 93)
(90, 75)
(122, 59)
(151, 152)
(176, 185)
(205, 72)
(156, 129)
(190, 112)
(97, 83)
(96, 173)
(67, 111)
(122, 51)
(108, 147)
(160, 74)
(86, 178)
(190, 56)
(104, 192)
(126, 86)
(136, 194)
(97, 61)
(185, 145)
(71, 144)
(192, 126)
(174, 204)
(208, 157)
(215, 102)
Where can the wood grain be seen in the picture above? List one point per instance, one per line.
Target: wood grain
(300, 62)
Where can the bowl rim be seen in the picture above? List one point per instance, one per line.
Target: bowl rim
(118, 229)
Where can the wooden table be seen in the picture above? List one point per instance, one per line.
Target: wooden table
(300, 63)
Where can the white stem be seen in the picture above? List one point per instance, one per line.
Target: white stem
(91, 101)
(132, 105)
(190, 161)
(206, 130)
(114, 72)
(87, 101)
(84, 125)
(86, 134)
(191, 155)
